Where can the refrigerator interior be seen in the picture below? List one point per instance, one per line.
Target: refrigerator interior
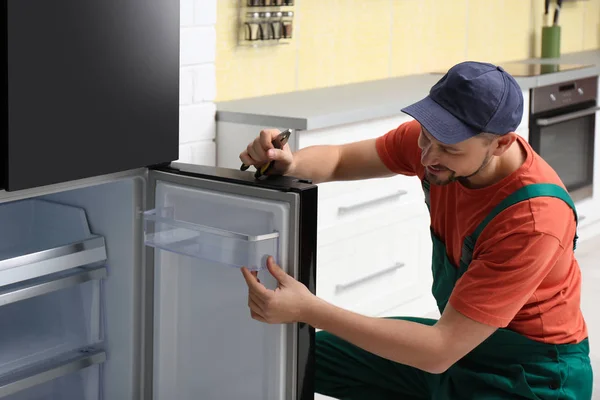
(71, 293)
(70, 323)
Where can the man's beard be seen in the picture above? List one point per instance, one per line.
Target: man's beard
(435, 180)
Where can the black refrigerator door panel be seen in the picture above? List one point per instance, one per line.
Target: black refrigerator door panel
(92, 88)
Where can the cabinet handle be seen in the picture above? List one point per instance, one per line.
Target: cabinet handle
(354, 207)
(49, 283)
(37, 374)
(345, 286)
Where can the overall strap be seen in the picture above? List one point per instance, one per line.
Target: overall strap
(425, 186)
(524, 193)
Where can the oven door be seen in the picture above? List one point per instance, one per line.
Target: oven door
(564, 138)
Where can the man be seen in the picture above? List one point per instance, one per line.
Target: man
(506, 280)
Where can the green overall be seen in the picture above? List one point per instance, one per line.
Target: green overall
(505, 366)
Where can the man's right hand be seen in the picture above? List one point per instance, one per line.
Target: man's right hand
(261, 150)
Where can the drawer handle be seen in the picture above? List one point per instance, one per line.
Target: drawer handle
(345, 286)
(354, 207)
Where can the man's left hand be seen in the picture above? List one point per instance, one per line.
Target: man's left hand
(290, 302)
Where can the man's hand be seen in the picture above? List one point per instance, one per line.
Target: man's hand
(290, 302)
(260, 151)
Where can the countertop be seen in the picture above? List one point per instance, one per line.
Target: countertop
(337, 105)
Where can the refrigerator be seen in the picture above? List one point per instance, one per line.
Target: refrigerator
(128, 286)
(119, 267)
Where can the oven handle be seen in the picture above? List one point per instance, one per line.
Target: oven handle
(567, 117)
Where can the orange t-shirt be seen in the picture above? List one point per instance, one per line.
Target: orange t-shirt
(524, 275)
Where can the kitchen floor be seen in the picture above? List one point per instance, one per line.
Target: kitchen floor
(588, 255)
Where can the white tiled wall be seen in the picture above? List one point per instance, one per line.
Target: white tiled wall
(197, 82)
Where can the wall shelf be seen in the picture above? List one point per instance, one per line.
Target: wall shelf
(265, 22)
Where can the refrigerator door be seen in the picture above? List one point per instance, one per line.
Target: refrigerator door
(85, 83)
(202, 225)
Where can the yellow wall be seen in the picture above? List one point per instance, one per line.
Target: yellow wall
(345, 41)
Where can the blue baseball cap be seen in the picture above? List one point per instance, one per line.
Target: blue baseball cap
(472, 97)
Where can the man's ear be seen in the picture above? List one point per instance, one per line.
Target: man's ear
(504, 142)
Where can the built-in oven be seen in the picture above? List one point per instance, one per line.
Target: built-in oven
(562, 125)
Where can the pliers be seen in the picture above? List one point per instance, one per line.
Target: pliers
(279, 141)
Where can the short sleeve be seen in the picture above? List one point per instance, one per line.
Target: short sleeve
(503, 277)
(399, 149)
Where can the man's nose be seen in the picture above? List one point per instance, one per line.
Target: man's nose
(429, 156)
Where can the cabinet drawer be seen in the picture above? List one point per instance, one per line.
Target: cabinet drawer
(408, 216)
(375, 270)
(338, 188)
(379, 196)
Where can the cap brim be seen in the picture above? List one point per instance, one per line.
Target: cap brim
(441, 124)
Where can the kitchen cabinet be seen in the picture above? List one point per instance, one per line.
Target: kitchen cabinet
(127, 286)
(373, 244)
